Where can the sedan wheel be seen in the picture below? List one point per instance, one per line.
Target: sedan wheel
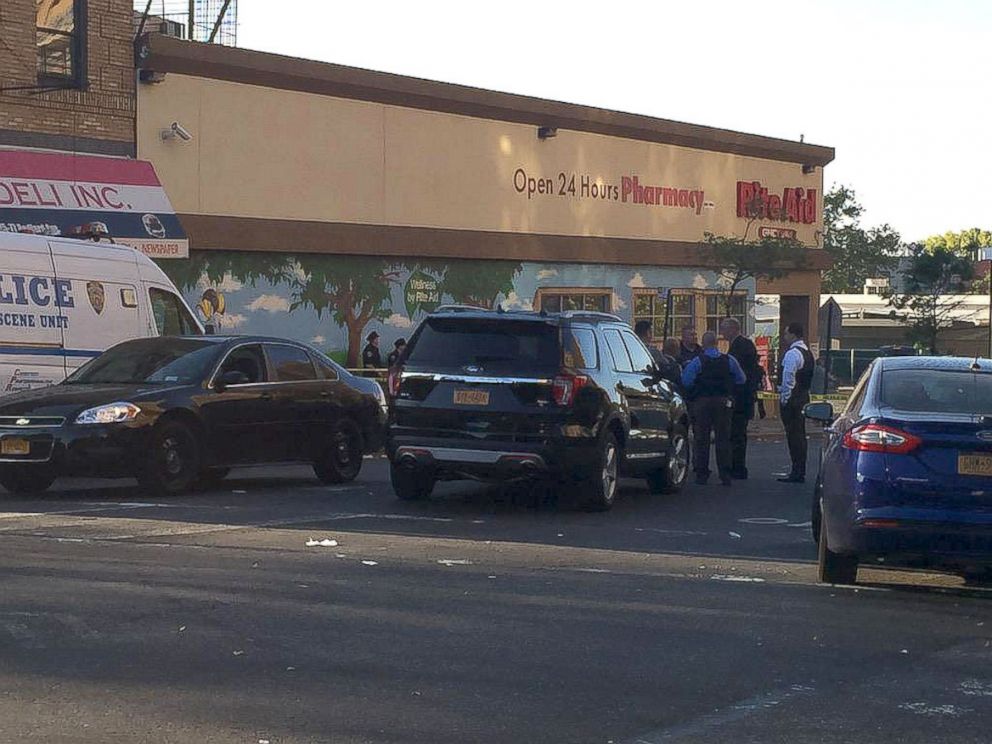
(834, 568)
(173, 463)
(340, 460)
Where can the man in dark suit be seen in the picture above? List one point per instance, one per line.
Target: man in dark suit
(743, 350)
(689, 349)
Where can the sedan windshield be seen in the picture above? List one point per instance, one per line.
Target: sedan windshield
(158, 361)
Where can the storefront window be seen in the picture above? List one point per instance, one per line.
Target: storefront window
(716, 310)
(650, 305)
(59, 32)
(563, 300)
(701, 309)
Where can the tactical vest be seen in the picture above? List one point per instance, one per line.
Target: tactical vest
(804, 375)
(715, 380)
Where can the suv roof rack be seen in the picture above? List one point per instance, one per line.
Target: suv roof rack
(460, 309)
(591, 314)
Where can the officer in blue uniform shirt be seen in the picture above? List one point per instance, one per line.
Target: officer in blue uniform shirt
(710, 380)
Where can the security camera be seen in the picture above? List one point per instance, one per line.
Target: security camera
(177, 130)
(181, 131)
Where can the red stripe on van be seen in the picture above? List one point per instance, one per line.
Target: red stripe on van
(69, 167)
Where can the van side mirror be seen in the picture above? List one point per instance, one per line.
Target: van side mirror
(231, 377)
(822, 411)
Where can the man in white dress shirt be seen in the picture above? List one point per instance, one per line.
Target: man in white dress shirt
(795, 376)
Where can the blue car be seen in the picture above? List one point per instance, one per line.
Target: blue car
(905, 477)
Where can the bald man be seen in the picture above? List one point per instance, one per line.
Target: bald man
(709, 381)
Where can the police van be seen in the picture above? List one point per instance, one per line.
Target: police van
(64, 301)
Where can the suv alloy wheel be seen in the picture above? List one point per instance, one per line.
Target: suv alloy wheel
(599, 491)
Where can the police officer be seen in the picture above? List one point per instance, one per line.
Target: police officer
(371, 359)
(709, 380)
(399, 346)
(795, 375)
(743, 350)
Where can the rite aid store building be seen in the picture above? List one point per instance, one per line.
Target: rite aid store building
(323, 202)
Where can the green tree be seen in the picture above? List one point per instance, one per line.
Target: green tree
(352, 289)
(741, 259)
(965, 242)
(934, 282)
(858, 253)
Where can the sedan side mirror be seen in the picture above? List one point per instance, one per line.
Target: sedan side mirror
(822, 411)
(231, 377)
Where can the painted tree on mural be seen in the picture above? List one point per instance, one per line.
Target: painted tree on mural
(479, 283)
(247, 268)
(352, 289)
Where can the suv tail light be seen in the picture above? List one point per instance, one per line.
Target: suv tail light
(566, 386)
(878, 438)
(393, 380)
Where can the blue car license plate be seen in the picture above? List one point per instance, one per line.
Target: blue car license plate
(975, 465)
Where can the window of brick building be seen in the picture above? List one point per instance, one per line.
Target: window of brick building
(557, 300)
(701, 309)
(60, 28)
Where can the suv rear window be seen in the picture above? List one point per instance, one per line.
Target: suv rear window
(936, 391)
(492, 345)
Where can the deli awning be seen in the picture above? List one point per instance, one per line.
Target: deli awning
(66, 194)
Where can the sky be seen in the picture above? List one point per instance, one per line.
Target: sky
(902, 89)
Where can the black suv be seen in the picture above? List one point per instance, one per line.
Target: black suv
(571, 398)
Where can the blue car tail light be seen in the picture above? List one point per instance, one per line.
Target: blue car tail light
(880, 438)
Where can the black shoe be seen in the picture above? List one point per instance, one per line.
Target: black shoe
(739, 475)
(726, 481)
(701, 480)
(793, 479)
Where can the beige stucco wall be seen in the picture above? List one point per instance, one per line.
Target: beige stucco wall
(265, 153)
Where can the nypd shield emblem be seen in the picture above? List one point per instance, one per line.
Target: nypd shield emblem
(97, 295)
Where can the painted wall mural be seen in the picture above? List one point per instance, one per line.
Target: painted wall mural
(334, 301)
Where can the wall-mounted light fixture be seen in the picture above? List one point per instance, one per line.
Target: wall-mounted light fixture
(547, 132)
(809, 169)
(176, 130)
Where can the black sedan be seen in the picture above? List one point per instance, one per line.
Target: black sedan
(174, 411)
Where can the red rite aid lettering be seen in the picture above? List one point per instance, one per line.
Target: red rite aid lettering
(795, 204)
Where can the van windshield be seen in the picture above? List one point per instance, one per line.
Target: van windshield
(156, 361)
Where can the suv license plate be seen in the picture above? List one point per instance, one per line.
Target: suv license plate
(472, 397)
(975, 465)
(11, 446)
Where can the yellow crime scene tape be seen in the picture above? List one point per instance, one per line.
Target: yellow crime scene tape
(832, 397)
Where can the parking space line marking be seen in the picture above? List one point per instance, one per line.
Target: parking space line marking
(723, 716)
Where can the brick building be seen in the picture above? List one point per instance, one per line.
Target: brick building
(67, 127)
(67, 79)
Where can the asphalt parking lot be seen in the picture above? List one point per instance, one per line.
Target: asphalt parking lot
(276, 609)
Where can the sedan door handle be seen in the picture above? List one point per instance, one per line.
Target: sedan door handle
(325, 394)
(266, 396)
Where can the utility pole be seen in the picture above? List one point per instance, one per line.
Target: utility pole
(191, 31)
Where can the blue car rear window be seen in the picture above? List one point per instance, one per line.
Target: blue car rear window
(936, 391)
